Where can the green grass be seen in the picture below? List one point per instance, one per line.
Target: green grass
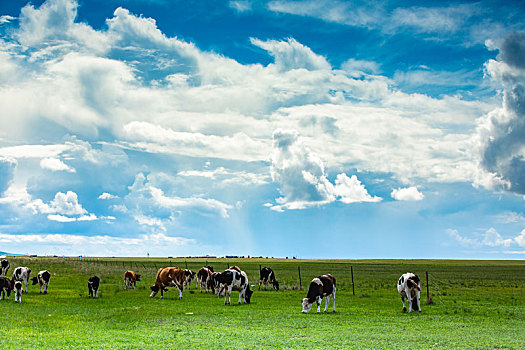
(476, 305)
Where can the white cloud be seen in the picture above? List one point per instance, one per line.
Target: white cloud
(7, 167)
(407, 194)
(241, 5)
(301, 175)
(227, 176)
(55, 164)
(106, 195)
(491, 238)
(158, 244)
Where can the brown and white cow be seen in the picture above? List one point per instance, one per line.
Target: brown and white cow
(188, 277)
(22, 274)
(409, 287)
(168, 277)
(18, 292)
(4, 267)
(131, 278)
(320, 287)
(42, 278)
(204, 278)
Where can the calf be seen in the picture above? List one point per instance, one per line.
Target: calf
(18, 292)
(42, 278)
(235, 280)
(22, 274)
(168, 277)
(204, 278)
(409, 287)
(131, 278)
(93, 284)
(320, 287)
(188, 277)
(4, 267)
(268, 276)
(6, 286)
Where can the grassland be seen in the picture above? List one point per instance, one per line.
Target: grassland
(476, 305)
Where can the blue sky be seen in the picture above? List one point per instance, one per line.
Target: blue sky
(331, 129)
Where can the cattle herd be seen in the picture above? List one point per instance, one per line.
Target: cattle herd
(231, 279)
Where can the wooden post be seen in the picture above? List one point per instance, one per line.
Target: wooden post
(352, 272)
(186, 263)
(300, 283)
(429, 298)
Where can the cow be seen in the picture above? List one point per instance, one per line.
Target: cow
(168, 277)
(6, 286)
(204, 278)
(131, 278)
(4, 267)
(22, 274)
(18, 292)
(235, 280)
(188, 277)
(268, 276)
(42, 278)
(320, 287)
(218, 283)
(409, 287)
(93, 284)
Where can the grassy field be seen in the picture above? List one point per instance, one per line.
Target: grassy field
(476, 305)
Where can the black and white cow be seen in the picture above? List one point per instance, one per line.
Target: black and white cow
(4, 265)
(22, 274)
(42, 278)
(409, 287)
(320, 287)
(268, 276)
(204, 278)
(6, 286)
(234, 280)
(188, 277)
(93, 284)
(18, 292)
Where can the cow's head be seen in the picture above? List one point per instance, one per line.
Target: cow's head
(137, 277)
(248, 295)
(154, 290)
(415, 294)
(307, 305)
(35, 280)
(275, 284)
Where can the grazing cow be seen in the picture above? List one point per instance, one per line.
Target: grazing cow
(22, 274)
(6, 286)
(131, 278)
(204, 278)
(93, 284)
(4, 267)
(168, 277)
(235, 280)
(42, 278)
(18, 292)
(188, 277)
(268, 276)
(218, 282)
(409, 287)
(320, 287)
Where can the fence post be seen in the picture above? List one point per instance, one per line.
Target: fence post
(260, 269)
(300, 283)
(352, 272)
(186, 263)
(429, 298)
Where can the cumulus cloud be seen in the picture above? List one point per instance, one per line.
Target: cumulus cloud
(145, 198)
(501, 133)
(490, 238)
(407, 194)
(55, 164)
(301, 175)
(106, 195)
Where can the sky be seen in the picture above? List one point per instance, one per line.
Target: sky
(308, 129)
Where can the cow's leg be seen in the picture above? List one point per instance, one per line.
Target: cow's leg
(409, 305)
(327, 302)
(40, 288)
(333, 299)
(45, 288)
(319, 300)
(419, 304)
(27, 283)
(403, 301)
(180, 291)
